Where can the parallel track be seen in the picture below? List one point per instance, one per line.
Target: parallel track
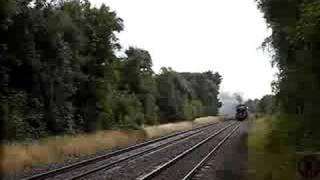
(71, 167)
(190, 174)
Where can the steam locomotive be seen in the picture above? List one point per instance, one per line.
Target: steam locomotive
(241, 112)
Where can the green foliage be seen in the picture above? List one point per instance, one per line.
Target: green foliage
(295, 46)
(174, 90)
(266, 105)
(270, 157)
(59, 74)
(123, 111)
(59, 55)
(138, 78)
(252, 105)
(205, 89)
(188, 95)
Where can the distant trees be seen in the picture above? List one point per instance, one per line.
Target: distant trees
(59, 74)
(265, 105)
(187, 95)
(205, 91)
(253, 105)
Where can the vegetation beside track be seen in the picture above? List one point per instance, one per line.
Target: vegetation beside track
(270, 155)
(70, 79)
(22, 157)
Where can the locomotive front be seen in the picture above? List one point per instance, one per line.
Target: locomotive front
(241, 112)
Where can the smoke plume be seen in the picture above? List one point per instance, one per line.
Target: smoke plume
(229, 103)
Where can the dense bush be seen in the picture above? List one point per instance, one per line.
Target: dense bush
(59, 74)
(295, 46)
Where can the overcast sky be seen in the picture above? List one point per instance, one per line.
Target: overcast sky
(201, 35)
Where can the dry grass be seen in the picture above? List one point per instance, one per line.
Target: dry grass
(17, 157)
(156, 131)
(209, 119)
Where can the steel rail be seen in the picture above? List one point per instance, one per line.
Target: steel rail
(80, 164)
(205, 159)
(166, 165)
(109, 165)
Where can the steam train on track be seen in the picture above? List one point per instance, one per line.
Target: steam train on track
(241, 112)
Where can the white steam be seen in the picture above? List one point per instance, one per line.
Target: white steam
(229, 103)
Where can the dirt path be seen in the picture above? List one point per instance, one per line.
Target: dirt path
(230, 162)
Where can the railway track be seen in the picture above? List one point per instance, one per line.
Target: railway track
(90, 166)
(157, 173)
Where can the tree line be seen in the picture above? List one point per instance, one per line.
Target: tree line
(295, 48)
(59, 74)
(264, 106)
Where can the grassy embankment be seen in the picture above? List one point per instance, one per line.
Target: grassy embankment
(270, 155)
(17, 157)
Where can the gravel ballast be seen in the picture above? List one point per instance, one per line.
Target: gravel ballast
(146, 163)
(231, 160)
(45, 168)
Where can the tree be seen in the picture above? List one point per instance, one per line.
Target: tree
(174, 92)
(138, 78)
(206, 89)
(59, 74)
(252, 105)
(48, 68)
(266, 104)
(294, 44)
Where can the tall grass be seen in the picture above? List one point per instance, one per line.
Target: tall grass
(17, 157)
(270, 156)
(155, 131)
